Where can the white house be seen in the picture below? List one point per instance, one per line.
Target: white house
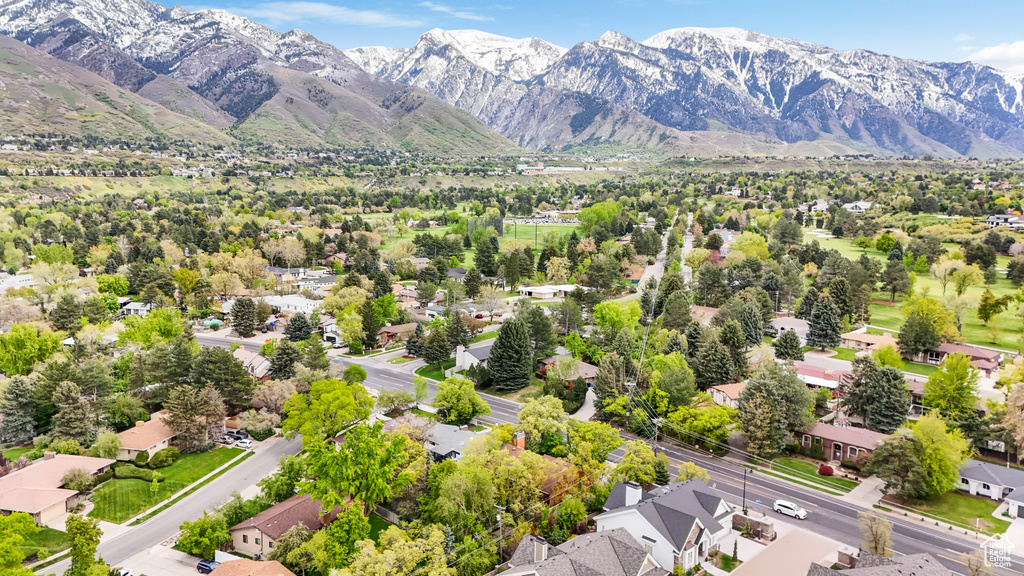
(255, 363)
(547, 291)
(469, 357)
(678, 525)
(994, 481)
(859, 207)
(798, 325)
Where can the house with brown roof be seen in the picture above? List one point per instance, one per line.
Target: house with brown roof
(728, 394)
(38, 489)
(246, 567)
(987, 361)
(389, 334)
(151, 436)
(557, 469)
(840, 442)
(583, 369)
(256, 536)
(863, 341)
(869, 564)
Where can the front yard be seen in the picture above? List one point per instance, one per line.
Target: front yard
(962, 509)
(808, 472)
(118, 500)
(45, 543)
(431, 371)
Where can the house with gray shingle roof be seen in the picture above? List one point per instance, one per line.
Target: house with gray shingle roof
(445, 442)
(995, 481)
(872, 565)
(679, 523)
(608, 553)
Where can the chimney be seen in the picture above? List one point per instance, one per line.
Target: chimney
(49, 455)
(519, 440)
(633, 493)
(540, 549)
(139, 423)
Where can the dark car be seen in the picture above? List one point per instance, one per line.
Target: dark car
(206, 566)
(236, 434)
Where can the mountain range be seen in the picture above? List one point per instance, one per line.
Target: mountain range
(233, 76)
(693, 91)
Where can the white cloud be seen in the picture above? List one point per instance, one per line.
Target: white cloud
(961, 37)
(463, 14)
(276, 13)
(1008, 57)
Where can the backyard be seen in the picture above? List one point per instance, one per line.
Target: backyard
(118, 500)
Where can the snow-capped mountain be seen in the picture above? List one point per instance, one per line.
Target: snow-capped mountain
(285, 88)
(697, 79)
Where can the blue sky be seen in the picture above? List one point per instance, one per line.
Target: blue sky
(988, 30)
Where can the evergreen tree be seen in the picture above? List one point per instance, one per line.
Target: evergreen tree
(282, 363)
(826, 324)
(381, 284)
(752, 322)
(371, 324)
(694, 338)
(456, 331)
(414, 345)
(314, 354)
(66, 314)
(472, 281)
(219, 368)
(18, 410)
(878, 394)
(437, 349)
(571, 253)
(807, 305)
(72, 419)
(841, 293)
(715, 365)
(917, 335)
(243, 317)
(299, 328)
(732, 337)
(511, 267)
(661, 475)
(895, 279)
(511, 363)
(788, 347)
(538, 325)
(486, 256)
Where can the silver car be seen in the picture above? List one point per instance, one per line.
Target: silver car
(789, 509)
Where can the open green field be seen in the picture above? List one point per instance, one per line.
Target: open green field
(1005, 331)
(118, 500)
(808, 472)
(962, 509)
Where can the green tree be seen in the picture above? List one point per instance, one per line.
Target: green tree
(943, 451)
(330, 407)
(458, 402)
(281, 485)
(401, 553)
(540, 417)
(826, 324)
(511, 363)
(204, 535)
(637, 464)
(414, 345)
(877, 531)
(437, 349)
(354, 374)
(298, 328)
(243, 316)
(918, 334)
(66, 314)
(953, 389)
(807, 304)
(895, 279)
(964, 278)
(421, 388)
(989, 307)
(194, 415)
(25, 345)
(456, 331)
(13, 530)
(716, 365)
(372, 323)
(689, 471)
(289, 543)
(84, 535)
(788, 347)
(219, 368)
(107, 445)
(539, 329)
(365, 467)
(878, 394)
(752, 323)
(17, 408)
(842, 295)
(348, 528)
(472, 282)
(72, 420)
(774, 404)
(282, 363)
(314, 353)
(895, 461)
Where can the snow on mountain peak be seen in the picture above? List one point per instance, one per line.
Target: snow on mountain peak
(737, 37)
(519, 58)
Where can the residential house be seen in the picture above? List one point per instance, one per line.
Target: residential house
(445, 442)
(316, 282)
(256, 536)
(419, 263)
(869, 564)
(457, 273)
(584, 370)
(818, 205)
(1010, 220)
(789, 323)
(703, 314)
(790, 554)
(863, 341)
(246, 567)
(840, 442)
(609, 553)
(678, 525)
(134, 309)
(547, 291)
(339, 257)
(469, 357)
(150, 436)
(255, 363)
(389, 334)
(820, 377)
(434, 311)
(38, 489)
(987, 361)
(994, 481)
(292, 303)
(727, 394)
(859, 207)
(554, 475)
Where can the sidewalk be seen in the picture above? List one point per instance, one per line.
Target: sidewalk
(866, 494)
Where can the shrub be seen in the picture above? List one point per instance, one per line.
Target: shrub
(142, 458)
(825, 470)
(78, 479)
(66, 447)
(42, 441)
(260, 435)
(164, 458)
(125, 470)
(101, 478)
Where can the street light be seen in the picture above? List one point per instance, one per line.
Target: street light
(745, 470)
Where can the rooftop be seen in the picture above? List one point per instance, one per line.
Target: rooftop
(791, 554)
(277, 519)
(145, 435)
(990, 473)
(608, 553)
(860, 437)
(246, 567)
(871, 565)
(733, 390)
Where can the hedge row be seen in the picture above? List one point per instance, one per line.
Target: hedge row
(125, 470)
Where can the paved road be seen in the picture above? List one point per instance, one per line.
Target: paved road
(164, 526)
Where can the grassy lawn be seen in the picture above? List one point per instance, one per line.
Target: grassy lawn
(377, 525)
(15, 453)
(118, 500)
(845, 354)
(431, 371)
(46, 542)
(920, 369)
(401, 360)
(425, 414)
(485, 336)
(963, 509)
(534, 390)
(727, 563)
(809, 472)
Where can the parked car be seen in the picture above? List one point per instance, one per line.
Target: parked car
(244, 443)
(236, 434)
(206, 566)
(789, 509)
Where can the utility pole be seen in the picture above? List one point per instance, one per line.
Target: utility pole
(500, 535)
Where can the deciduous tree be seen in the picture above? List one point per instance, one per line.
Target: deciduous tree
(458, 402)
(330, 407)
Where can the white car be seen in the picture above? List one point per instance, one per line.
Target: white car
(244, 443)
(789, 509)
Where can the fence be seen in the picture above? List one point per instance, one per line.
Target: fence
(386, 514)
